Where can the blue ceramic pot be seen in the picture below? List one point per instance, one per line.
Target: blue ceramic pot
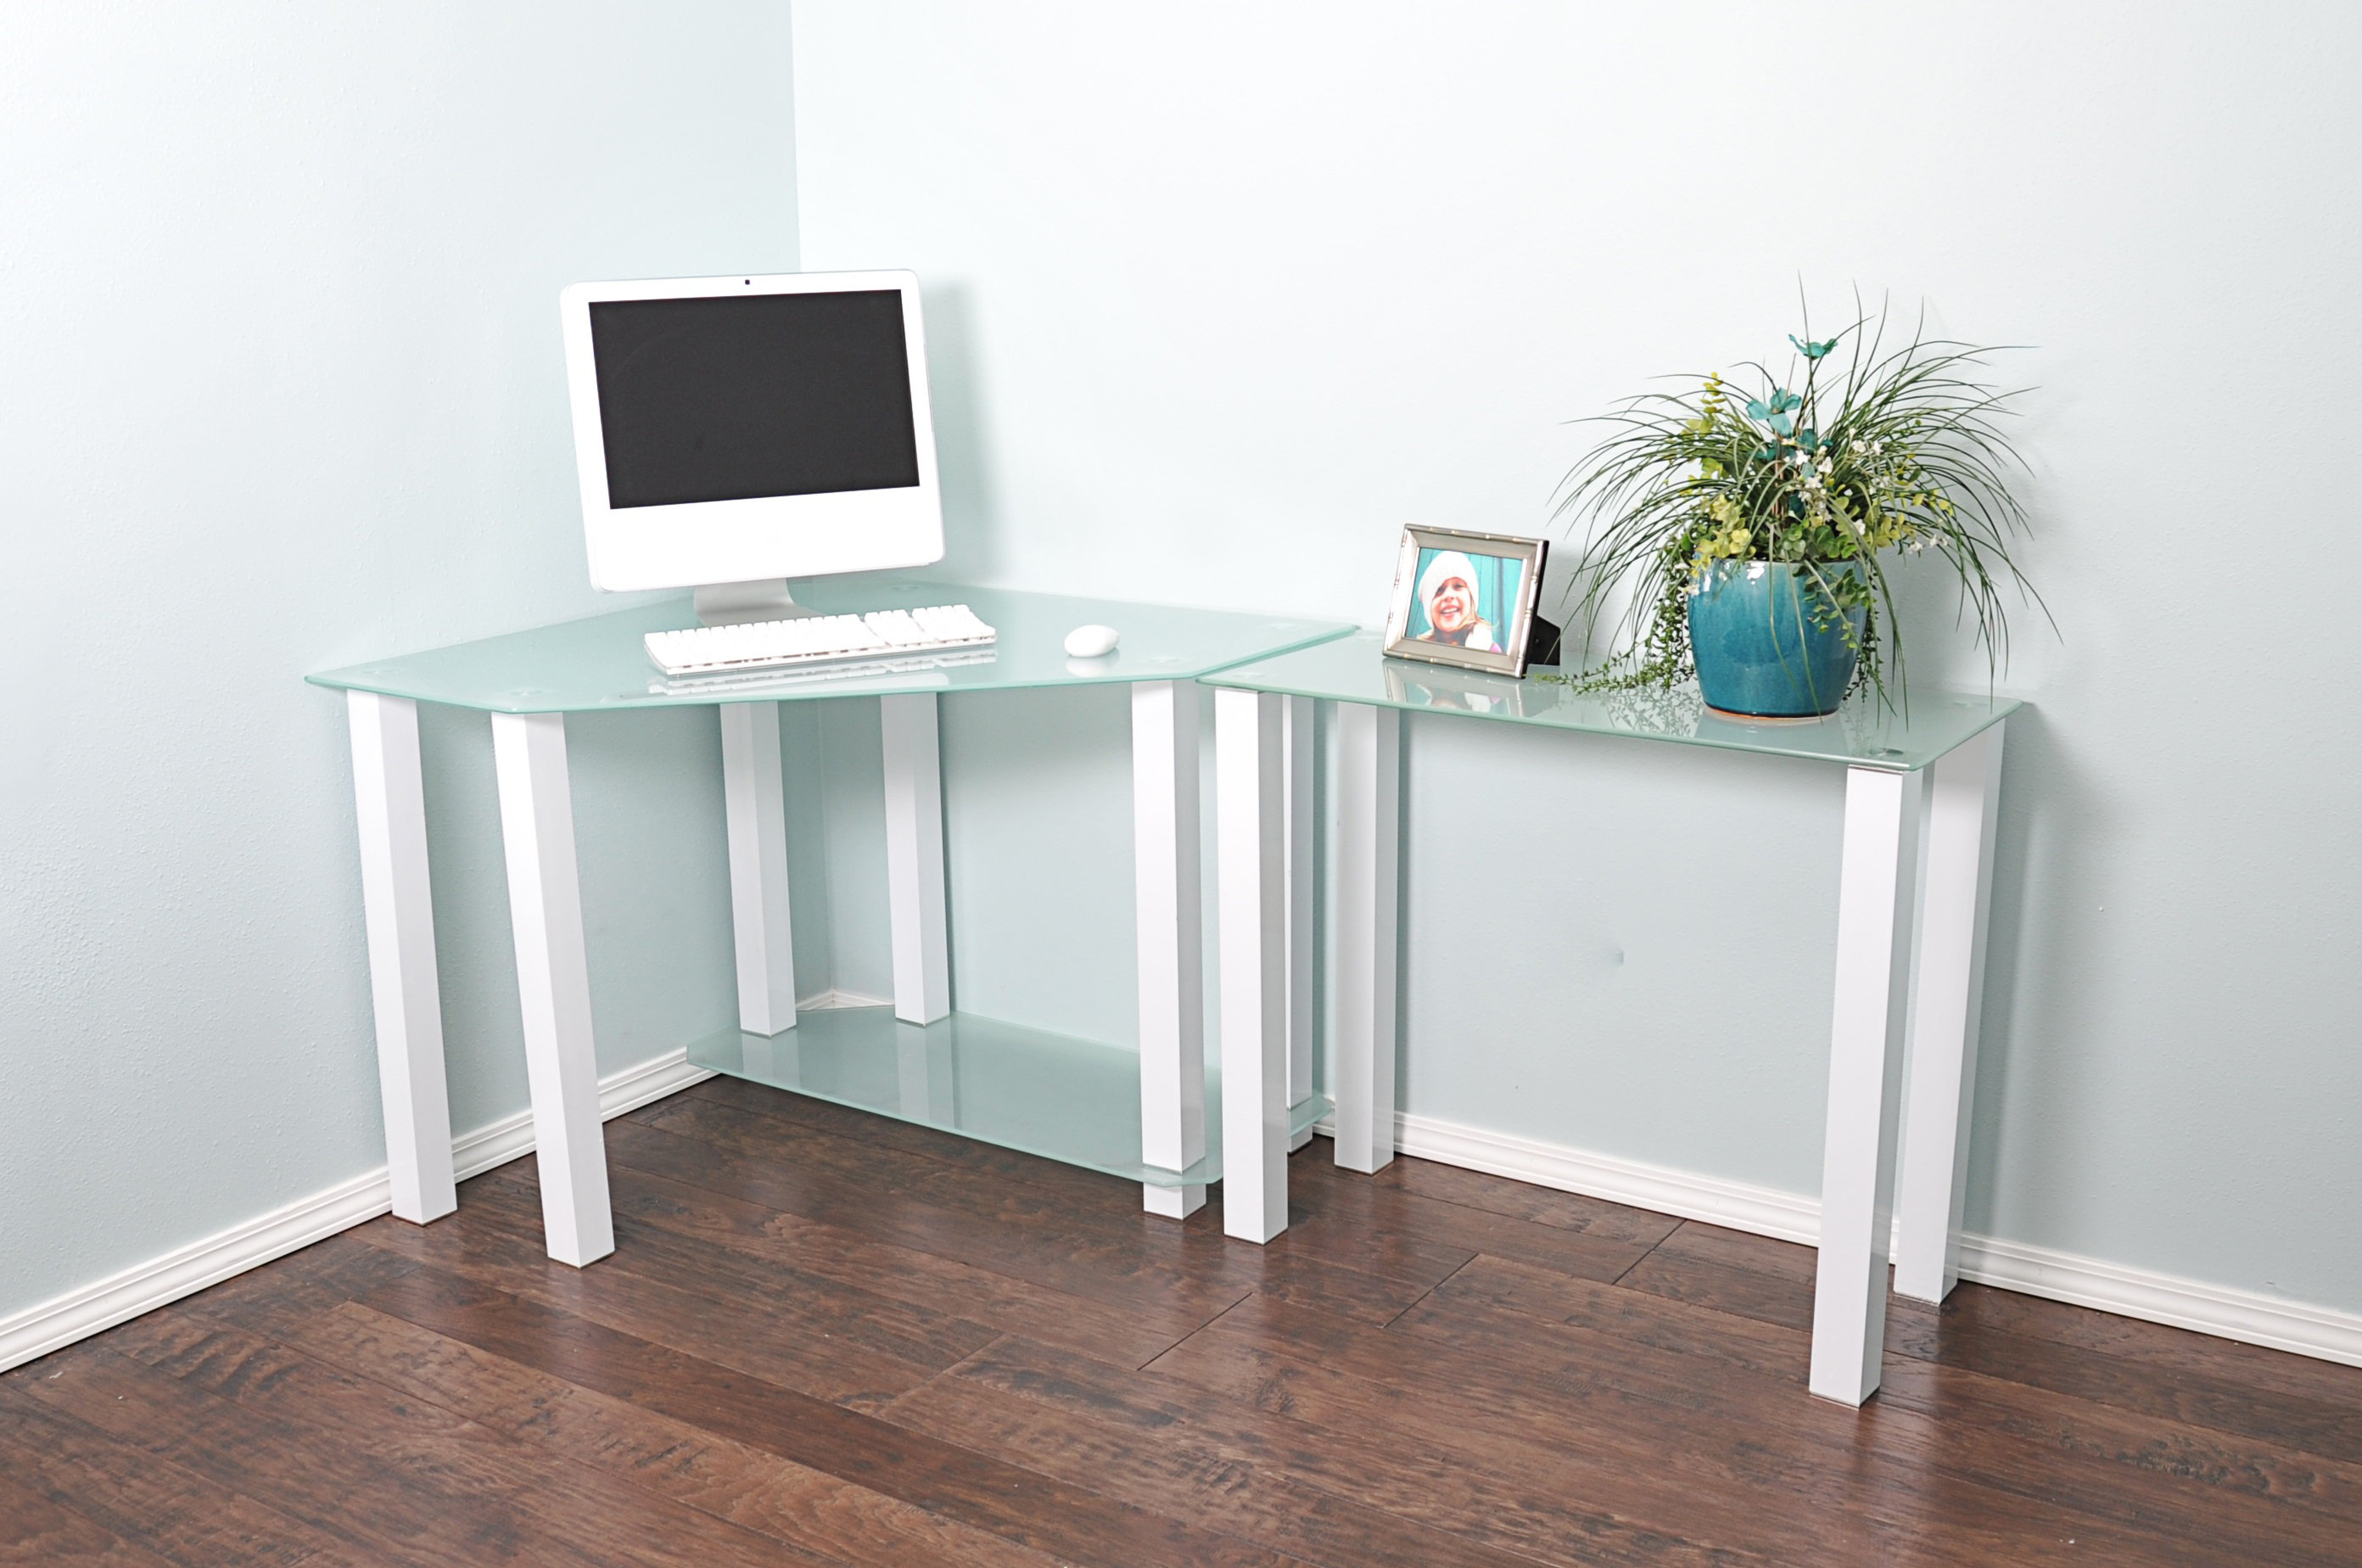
(1758, 650)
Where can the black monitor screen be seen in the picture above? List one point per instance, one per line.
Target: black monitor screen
(759, 394)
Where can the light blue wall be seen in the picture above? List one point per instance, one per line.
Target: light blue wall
(1214, 304)
(1221, 298)
(1037, 821)
(281, 388)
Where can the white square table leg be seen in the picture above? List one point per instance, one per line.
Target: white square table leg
(1874, 906)
(1368, 860)
(1251, 887)
(755, 808)
(553, 984)
(1296, 831)
(390, 804)
(1955, 900)
(1167, 913)
(914, 856)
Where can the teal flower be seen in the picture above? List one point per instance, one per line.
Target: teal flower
(1775, 412)
(1812, 351)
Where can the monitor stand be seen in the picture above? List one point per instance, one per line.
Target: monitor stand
(731, 603)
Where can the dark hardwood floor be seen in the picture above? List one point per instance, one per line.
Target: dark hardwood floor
(830, 1337)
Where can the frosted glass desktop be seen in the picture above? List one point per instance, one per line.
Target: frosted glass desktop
(1149, 1115)
(1913, 734)
(598, 663)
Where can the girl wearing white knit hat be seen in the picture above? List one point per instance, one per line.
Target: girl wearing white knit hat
(1447, 590)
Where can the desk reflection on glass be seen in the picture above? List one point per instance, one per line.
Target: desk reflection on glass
(927, 1075)
(774, 1058)
(1466, 691)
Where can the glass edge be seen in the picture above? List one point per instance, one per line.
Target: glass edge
(2001, 709)
(1332, 631)
(344, 680)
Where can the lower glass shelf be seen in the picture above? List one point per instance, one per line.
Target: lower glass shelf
(1073, 1101)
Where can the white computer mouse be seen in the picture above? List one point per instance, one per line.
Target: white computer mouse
(1091, 642)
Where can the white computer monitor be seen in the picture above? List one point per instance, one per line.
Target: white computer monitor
(740, 431)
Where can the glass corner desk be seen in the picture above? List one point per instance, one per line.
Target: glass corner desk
(1142, 1116)
(1943, 765)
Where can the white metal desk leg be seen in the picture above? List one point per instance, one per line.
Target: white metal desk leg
(1963, 790)
(1251, 885)
(1295, 832)
(1368, 851)
(1167, 910)
(553, 984)
(1874, 904)
(390, 804)
(914, 858)
(754, 807)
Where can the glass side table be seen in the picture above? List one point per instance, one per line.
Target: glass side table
(1941, 765)
(1140, 1115)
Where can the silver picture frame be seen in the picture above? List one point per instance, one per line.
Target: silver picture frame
(1506, 651)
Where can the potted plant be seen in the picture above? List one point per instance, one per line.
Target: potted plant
(1757, 527)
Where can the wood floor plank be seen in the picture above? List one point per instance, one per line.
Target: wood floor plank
(410, 1508)
(1959, 1401)
(1341, 1211)
(1747, 1276)
(2329, 1425)
(1494, 1312)
(319, 1313)
(34, 1530)
(502, 1248)
(330, 1270)
(1738, 1467)
(1107, 1266)
(1489, 1308)
(1328, 1236)
(1979, 1309)
(800, 1250)
(1742, 1433)
(169, 1510)
(1521, 1201)
(1258, 1499)
(1552, 1505)
(561, 1505)
(1535, 1358)
(790, 1302)
(1011, 1228)
(1470, 1308)
(942, 1478)
(789, 1502)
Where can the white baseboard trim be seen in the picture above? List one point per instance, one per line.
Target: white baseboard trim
(2245, 1316)
(830, 1001)
(2325, 1332)
(1758, 1210)
(79, 1313)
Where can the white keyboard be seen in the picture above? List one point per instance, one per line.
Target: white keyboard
(813, 640)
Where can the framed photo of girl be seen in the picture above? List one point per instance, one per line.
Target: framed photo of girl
(1466, 599)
